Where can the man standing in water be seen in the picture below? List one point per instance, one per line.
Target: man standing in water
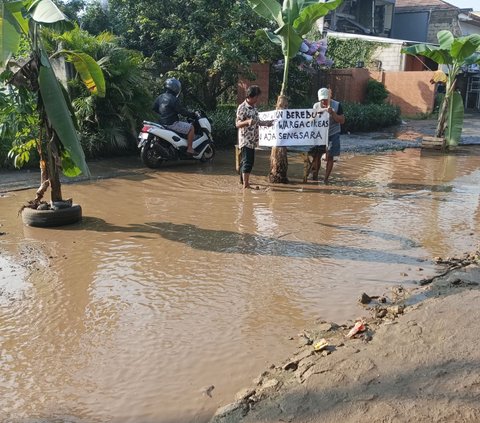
(337, 118)
(247, 123)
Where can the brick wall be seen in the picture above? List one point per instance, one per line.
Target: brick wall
(441, 19)
(262, 72)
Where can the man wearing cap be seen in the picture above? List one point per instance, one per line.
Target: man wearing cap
(337, 118)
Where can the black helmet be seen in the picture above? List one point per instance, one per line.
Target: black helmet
(173, 85)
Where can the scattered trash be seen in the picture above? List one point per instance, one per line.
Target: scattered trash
(359, 327)
(396, 310)
(364, 299)
(207, 390)
(367, 337)
(381, 313)
(320, 345)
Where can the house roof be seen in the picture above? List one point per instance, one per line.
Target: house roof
(423, 4)
(472, 18)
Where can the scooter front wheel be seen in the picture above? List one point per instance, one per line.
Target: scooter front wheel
(150, 157)
(208, 154)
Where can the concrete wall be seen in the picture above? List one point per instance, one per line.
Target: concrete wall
(390, 57)
(388, 53)
(262, 72)
(348, 84)
(411, 91)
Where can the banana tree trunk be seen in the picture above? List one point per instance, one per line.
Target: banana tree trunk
(278, 166)
(442, 116)
(53, 160)
(278, 156)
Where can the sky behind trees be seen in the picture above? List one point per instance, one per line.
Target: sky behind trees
(474, 4)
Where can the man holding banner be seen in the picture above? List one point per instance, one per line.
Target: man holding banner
(247, 123)
(337, 118)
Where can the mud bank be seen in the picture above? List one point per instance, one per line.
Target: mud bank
(415, 358)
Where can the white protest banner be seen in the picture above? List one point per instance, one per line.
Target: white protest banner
(294, 128)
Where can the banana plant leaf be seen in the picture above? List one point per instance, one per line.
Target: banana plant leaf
(474, 58)
(294, 19)
(311, 13)
(453, 132)
(10, 21)
(269, 9)
(445, 39)
(464, 47)
(291, 41)
(45, 12)
(435, 53)
(89, 71)
(59, 116)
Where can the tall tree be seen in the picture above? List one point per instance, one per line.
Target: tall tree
(205, 44)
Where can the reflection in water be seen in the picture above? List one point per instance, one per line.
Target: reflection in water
(178, 279)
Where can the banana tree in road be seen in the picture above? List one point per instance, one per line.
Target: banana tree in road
(294, 19)
(454, 53)
(58, 143)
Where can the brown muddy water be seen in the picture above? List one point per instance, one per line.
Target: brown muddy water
(177, 279)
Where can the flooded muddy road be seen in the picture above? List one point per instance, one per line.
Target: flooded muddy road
(177, 279)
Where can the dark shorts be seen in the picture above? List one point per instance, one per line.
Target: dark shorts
(317, 149)
(334, 145)
(248, 159)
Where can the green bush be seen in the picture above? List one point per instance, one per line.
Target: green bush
(376, 92)
(224, 131)
(368, 117)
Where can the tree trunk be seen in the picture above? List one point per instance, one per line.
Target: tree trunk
(54, 164)
(278, 156)
(443, 113)
(442, 117)
(278, 166)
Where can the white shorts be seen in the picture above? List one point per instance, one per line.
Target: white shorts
(180, 127)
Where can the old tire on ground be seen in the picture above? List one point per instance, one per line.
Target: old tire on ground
(51, 218)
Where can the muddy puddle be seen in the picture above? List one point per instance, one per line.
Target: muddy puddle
(177, 279)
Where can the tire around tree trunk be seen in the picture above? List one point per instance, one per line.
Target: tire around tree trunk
(52, 218)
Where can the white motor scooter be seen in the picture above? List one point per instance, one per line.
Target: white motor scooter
(158, 144)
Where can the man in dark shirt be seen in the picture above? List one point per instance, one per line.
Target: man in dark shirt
(168, 106)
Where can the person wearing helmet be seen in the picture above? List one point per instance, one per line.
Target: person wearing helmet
(337, 118)
(169, 107)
